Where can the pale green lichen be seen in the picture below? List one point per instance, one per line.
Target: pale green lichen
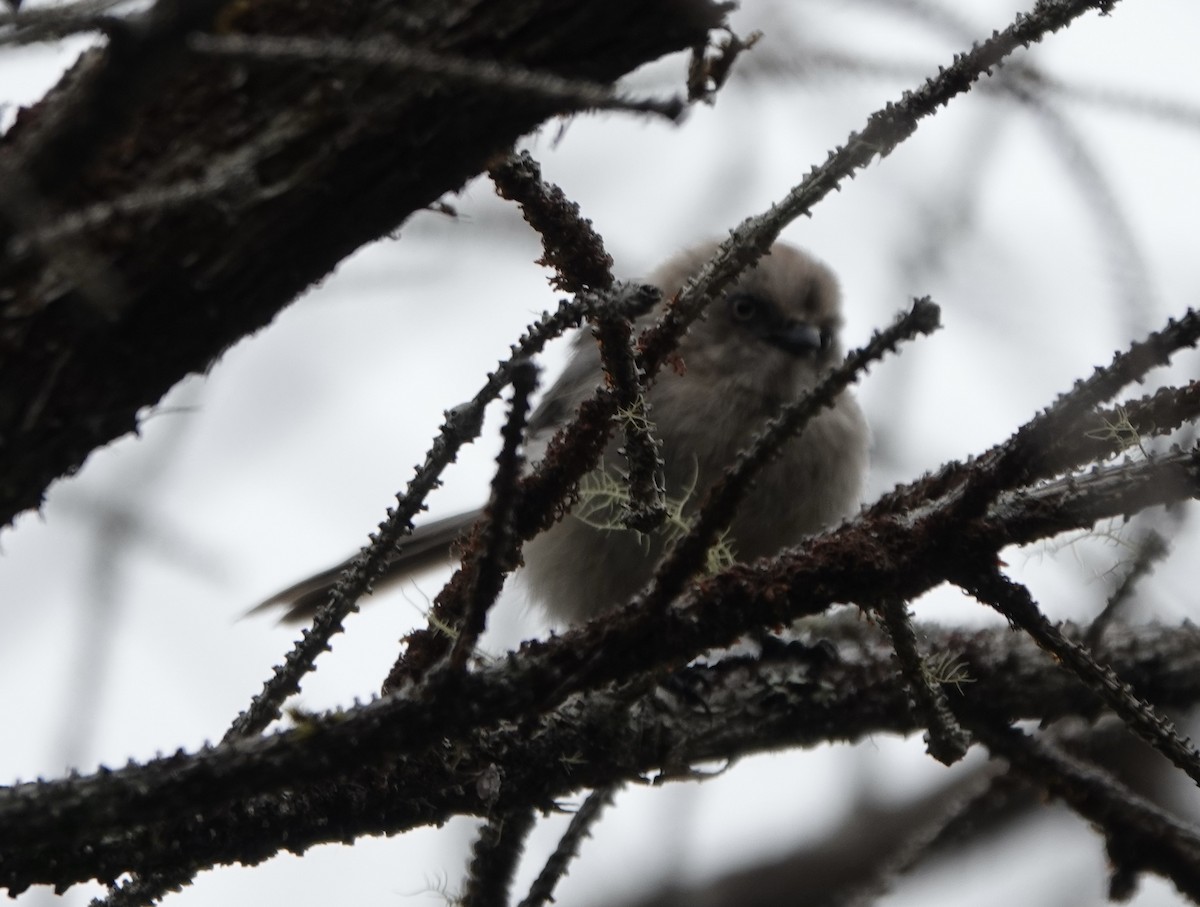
(604, 497)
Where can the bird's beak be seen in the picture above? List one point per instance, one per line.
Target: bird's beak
(797, 337)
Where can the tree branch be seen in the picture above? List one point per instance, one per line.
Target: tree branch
(245, 801)
(328, 157)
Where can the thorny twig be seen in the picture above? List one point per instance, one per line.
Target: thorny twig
(462, 425)
(1150, 549)
(1014, 602)
(720, 503)
(424, 648)
(542, 889)
(572, 247)
(945, 740)
(499, 552)
(577, 254)
(495, 856)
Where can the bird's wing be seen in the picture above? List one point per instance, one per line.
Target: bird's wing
(428, 546)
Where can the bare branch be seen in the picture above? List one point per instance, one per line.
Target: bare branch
(576, 94)
(1014, 602)
(1140, 836)
(500, 551)
(573, 248)
(945, 740)
(495, 856)
(462, 426)
(542, 890)
(246, 800)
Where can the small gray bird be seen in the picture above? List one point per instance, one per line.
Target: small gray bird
(769, 338)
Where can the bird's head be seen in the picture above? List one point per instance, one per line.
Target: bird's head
(773, 333)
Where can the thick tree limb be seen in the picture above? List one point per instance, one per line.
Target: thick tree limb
(737, 707)
(218, 189)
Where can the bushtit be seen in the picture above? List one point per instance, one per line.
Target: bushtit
(762, 343)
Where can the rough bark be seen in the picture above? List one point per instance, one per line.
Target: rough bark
(160, 204)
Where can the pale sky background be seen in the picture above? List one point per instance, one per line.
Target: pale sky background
(121, 600)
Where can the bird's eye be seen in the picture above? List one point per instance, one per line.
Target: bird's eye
(743, 308)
